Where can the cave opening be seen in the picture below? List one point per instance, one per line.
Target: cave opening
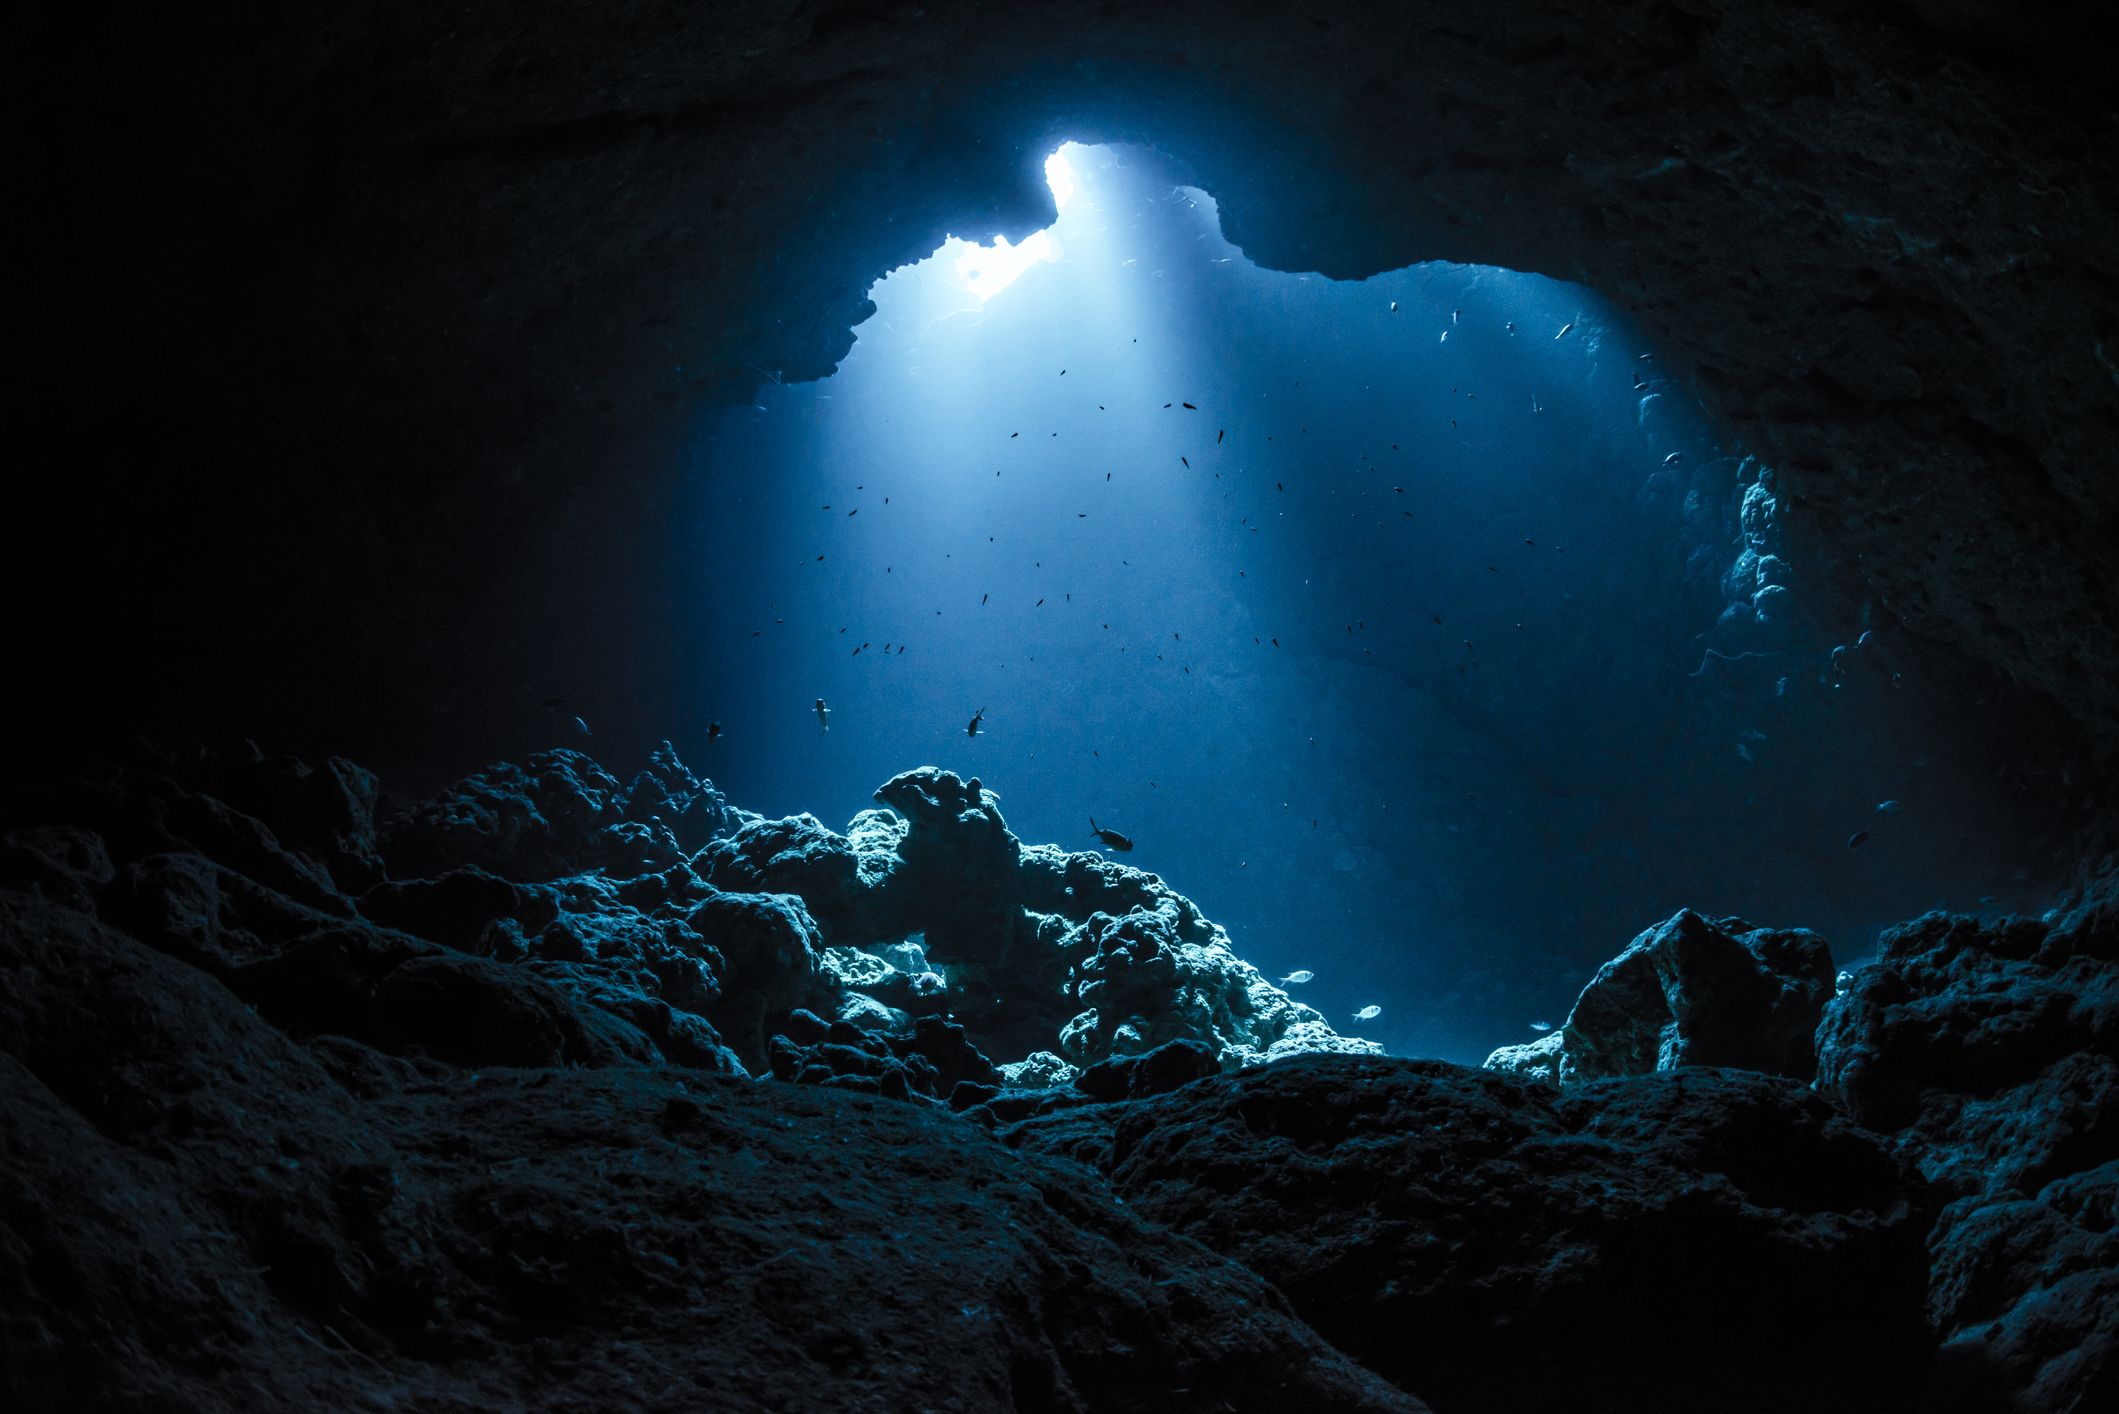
(1425, 628)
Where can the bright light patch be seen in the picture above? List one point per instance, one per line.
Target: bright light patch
(986, 271)
(1060, 177)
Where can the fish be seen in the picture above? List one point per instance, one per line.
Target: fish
(553, 703)
(1889, 807)
(1219, 435)
(1368, 1013)
(1857, 839)
(1190, 406)
(1673, 459)
(823, 715)
(1445, 337)
(1298, 978)
(1564, 328)
(976, 718)
(1510, 326)
(582, 727)
(1111, 838)
(1541, 1026)
(1453, 315)
(713, 731)
(1394, 306)
(1187, 461)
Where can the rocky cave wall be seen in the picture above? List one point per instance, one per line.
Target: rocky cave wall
(366, 338)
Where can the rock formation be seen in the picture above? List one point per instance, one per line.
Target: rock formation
(289, 1125)
(1690, 992)
(1991, 1053)
(1032, 948)
(1666, 1242)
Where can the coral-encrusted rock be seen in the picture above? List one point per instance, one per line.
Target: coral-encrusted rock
(255, 1222)
(1690, 992)
(1675, 1241)
(841, 879)
(554, 813)
(1993, 1050)
(1032, 948)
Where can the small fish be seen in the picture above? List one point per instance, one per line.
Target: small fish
(1298, 978)
(1111, 838)
(1889, 807)
(553, 703)
(1219, 435)
(1394, 306)
(713, 731)
(976, 718)
(1857, 839)
(582, 727)
(1187, 461)
(1541, 1026)
(1453, 316)
(1510, 326)
(1190, 406)
(1368, 1013)
(823, 715)
(1673, 459)
(1445, 337)
(1564, 328)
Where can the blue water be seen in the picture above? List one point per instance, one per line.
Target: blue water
(1391, 650)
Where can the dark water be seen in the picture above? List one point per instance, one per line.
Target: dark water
(1392, 651)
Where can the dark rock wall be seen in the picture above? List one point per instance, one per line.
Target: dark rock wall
(363, 338)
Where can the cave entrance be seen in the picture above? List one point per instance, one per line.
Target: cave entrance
(1421, 628)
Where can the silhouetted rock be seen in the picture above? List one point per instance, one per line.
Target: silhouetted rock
(1681, 1240)
(1168, 1066)
(554, 813)
(1690, 992)
(1992, 1050)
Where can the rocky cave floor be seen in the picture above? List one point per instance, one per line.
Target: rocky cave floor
(561, 1091)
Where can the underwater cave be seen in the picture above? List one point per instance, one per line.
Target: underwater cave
(1077, 707)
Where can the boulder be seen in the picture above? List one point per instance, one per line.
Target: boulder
(1690, 991)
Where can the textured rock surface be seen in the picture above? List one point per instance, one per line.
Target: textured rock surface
(419, 269)
(258, 1223)
(267, 1151)
(1035, 948)
(287, 1127)
(1993, 1053)
(1686, 1237)
(1690, 992)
